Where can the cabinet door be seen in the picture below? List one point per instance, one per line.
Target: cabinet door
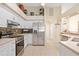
(3, 17)
(35, 39)
(25, 40)
(38, 34)
(12, 48)
(40, 38)
(4, 50)
(7, 49)
(64, 51)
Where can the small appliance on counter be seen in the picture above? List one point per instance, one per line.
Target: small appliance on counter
(6, 34)
(0, 34)
(27, 30)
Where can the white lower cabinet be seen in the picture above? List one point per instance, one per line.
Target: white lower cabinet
(12, 48)
(65, 51)
(4, 50)
(8, 49)
(25, 40)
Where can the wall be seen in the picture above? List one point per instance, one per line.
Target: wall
(52, 25)
(57, 16)
(64, 24)
(73, 24)
(28, 24)
(34, 9)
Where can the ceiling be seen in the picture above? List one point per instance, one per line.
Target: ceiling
(32, 4)
(50, 4)
(39, 4)
(64, 6)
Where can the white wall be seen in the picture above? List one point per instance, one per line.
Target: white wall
(28, 24)
(52, 31)
(34, 9)
(73, 24)
(64, 24)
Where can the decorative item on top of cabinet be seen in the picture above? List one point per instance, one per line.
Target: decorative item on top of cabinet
(32, 13)
(41, 11)
(21, 6)
(25, 11)
(0, 34)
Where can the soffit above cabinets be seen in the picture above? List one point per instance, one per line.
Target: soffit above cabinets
(51, 5)
(35, 18)
(15, 8)
(72, 11)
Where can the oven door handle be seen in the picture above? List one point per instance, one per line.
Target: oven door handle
(19, 41)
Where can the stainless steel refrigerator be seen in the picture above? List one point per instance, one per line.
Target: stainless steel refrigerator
(38, 38)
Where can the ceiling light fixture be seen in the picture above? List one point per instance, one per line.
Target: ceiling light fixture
(42, 4)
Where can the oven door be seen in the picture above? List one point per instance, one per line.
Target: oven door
(19, 46)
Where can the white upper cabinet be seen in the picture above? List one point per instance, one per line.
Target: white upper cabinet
(7, 14)
(3, 17)
(12, 12)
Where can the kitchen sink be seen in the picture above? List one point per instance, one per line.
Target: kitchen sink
(77, 44)
(75, 39)
(64, 38)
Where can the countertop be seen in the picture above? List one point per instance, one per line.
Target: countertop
(70, 35)
(71, 44)
(5, 40)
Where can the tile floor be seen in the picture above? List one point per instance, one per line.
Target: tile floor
(47, 50)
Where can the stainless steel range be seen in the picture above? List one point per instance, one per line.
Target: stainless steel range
(19, 45)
